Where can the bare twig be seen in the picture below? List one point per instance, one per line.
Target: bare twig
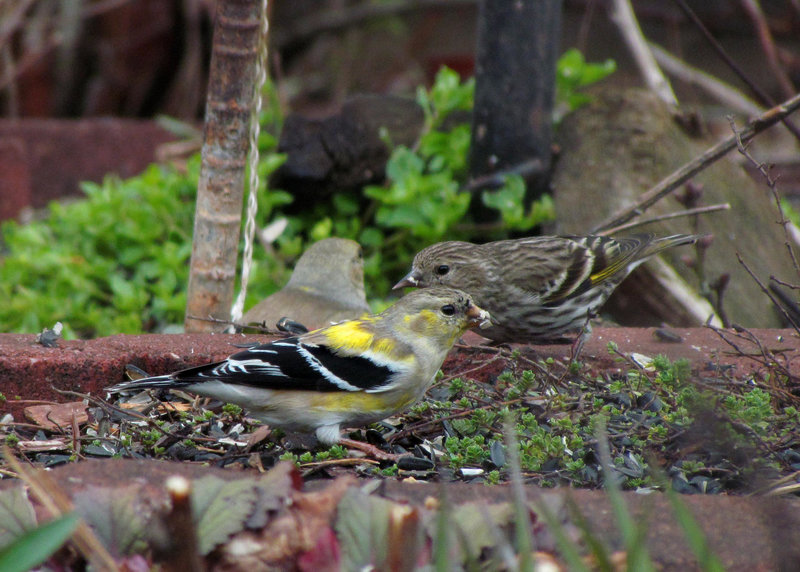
(771, 183)
(768, 45)
(261, 329)
(719, 90)
(417, 426)
(767, 291)
(623, 16)
(764, 357)
(756, 89)
(687, 171)
(525, 169)
(678, 214)
(784, 283)
(788, 304)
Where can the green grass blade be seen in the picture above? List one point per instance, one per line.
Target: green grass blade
(569, 548)
(522, 521)
(709, 562)
(441, 542)
(595, 545)
(634, 536)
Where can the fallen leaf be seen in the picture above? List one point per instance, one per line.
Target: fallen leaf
(43, 445)
(324, 556)
(272, 492)
(117, 517)
(478, 524)
(362, 525)
(57, 415)
(302, 526)
(161, 407)
(16, 514)
(258, 435)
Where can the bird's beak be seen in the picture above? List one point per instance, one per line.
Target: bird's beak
(478, 317)
(408, 280)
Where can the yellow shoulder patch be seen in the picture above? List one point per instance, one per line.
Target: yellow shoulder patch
(354, 336)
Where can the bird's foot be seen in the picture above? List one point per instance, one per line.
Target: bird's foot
(371, 450)
(579, 341)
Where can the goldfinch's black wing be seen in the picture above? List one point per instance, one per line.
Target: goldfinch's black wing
(292, 364)
(288, 364)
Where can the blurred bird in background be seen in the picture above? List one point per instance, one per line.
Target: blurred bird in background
(327, 285)
(537, 289)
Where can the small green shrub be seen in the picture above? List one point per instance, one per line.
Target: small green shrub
(117, 260)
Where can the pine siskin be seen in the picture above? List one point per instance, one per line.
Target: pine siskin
(351, 373)
(537, 289)
(327, 286)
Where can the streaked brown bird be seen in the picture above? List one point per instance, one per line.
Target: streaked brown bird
(327, 285)
(537, 289)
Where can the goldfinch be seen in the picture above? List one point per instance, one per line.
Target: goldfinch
(537, 288)
(327, 285)
(351, 373)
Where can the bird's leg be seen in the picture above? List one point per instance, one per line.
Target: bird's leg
(583, 336)
(370, 450)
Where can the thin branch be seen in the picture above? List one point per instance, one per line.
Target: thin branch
(771, 183)
(678, 214)
(526, 170)
(260, 329)
(769, 294)
(788, 303)
(756, 15)
(719, 90)
(623, 16)
(778, 281)
(687, 171)
(756, 89)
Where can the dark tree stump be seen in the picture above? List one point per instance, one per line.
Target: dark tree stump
(518, 45)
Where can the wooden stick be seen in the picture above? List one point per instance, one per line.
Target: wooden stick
(687, 171)
(678, 214)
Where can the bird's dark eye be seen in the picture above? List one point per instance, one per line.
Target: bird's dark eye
(448, 310)
(442, 270)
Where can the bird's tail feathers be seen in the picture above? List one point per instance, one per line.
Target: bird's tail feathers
(665, 242)
(145, 383)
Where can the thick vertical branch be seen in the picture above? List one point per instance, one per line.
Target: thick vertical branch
(518, 46)
(221, 187)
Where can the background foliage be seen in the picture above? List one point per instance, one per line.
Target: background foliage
(117, 260)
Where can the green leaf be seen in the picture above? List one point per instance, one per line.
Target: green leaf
(361, 526)
(36, 545)
(478, 524)
(510, 201)
(574, 73)
(371, 237)
(116, 517)
(321, 230)
(221, 509)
